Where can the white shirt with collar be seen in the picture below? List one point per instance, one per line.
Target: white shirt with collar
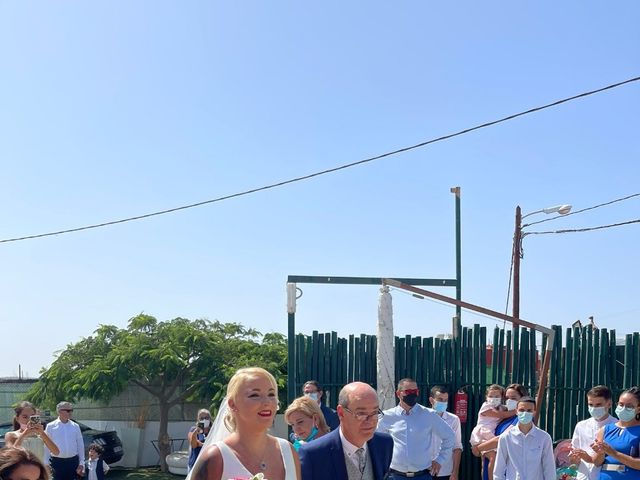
(414, 433)
(453, 421)
(68, 437)
(91, 466)
(583, 436)
(525, 456)
(350, 449)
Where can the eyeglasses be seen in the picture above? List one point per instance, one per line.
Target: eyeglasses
(68, 410)
(361, 417)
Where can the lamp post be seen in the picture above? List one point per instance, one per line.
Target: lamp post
(517, 249)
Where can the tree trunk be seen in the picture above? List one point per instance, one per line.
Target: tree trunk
(164, 444)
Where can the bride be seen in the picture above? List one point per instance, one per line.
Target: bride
(248, 450)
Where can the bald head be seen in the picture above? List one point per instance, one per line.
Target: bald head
(356, 391)
(358, 410)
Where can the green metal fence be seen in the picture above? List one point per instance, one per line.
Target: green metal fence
(583, 358)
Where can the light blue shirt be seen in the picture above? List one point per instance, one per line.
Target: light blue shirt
(413, 434)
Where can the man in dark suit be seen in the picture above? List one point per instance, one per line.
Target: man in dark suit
(355, 451)
(314, 390)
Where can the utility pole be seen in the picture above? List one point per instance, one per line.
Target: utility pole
(517, 241)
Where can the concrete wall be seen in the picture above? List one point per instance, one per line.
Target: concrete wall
(137, 442)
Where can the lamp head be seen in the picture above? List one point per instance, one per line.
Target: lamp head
(561, 209)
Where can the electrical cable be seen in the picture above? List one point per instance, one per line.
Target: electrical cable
(583, 210)
(580, 230)
(329, 170)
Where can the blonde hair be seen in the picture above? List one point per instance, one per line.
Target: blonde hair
(308, 407)
(234, 385)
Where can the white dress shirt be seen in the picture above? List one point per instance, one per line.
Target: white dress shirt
(68, 437)
(91, 466)
(525, 456)
(414, 433)
(350, 449)
(453, 421)
(583, 436)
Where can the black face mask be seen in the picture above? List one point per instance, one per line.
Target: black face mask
(410, 399)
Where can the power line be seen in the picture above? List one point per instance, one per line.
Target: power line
(584, 209)
(329, 170)
(587, 229)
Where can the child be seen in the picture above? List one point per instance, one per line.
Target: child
(95, 468)
(491, 413)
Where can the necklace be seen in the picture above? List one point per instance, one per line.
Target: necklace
(246, 460)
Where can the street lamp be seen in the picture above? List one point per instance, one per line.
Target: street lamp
(517, 249)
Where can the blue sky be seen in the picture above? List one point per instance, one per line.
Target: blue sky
(114, 109)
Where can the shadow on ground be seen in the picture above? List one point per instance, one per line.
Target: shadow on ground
(148, 473)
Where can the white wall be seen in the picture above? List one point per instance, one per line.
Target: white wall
(136, 442)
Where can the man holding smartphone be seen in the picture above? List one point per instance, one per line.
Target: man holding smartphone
(67, 436)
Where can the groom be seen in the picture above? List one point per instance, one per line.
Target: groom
(354, 451)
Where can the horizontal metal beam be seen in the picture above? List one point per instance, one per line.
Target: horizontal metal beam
(433, 282)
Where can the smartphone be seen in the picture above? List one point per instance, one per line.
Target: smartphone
(34, 419)
(200, 425)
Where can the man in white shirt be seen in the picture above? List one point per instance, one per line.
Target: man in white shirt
(525, 452)
(414, 429)
(599, 401)
(66, 434)
(439, 400)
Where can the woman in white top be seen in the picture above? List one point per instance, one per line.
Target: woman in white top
(252, 400)
(29, 433)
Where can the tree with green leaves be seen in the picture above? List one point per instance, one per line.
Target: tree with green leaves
(175, 361)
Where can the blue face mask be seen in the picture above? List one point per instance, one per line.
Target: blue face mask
(625, 414)
(525, 418)
(312, 395)
(440, 407)
(298, 442)
(597, 412)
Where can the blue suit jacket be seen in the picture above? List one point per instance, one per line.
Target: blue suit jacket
(323, 459)
(330, 416)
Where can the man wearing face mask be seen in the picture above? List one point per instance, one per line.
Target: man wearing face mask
(414, 429)
(313, 390)
(599, 400)
(197, 435)
(525, 452)
(439, 400)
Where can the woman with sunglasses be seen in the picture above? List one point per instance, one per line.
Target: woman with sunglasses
(28, 432)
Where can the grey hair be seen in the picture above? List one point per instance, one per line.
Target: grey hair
(343, 396)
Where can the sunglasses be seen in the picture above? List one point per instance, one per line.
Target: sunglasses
(414, 391)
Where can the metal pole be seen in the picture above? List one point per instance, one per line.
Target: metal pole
(291, 342)
(492, 313)
(456, 192)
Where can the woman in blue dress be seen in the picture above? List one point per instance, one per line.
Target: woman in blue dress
(197, 435)
(512, 394)
(617, 445)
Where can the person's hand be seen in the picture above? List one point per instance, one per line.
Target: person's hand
(80, 470)
(37, 427)
(577, 454)
(453, 476)
(602, 447)
(476, 451)
(435, 468)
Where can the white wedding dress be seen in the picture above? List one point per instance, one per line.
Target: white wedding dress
(232, 467)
